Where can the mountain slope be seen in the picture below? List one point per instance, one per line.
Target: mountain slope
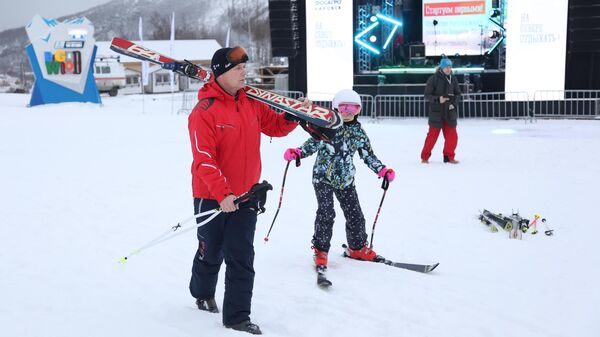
(193, 19)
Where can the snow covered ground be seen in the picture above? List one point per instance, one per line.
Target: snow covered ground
(83, 185)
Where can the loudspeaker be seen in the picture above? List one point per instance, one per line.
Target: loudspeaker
(285, 32)
(416, 50)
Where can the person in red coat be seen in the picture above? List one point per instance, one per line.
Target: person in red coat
(225, 132)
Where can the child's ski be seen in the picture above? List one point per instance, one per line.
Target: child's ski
(322, 280)
(421, 268)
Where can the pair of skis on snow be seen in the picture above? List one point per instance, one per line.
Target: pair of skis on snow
(515, 224)
(324, 282)
(318, 117)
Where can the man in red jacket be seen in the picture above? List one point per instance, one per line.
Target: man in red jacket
(225, 130)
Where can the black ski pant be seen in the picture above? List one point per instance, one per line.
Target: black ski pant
(229, 237)
(355, 220)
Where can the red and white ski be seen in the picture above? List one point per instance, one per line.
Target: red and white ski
(316, 115)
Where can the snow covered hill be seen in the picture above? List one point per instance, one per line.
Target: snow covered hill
(83, 185)
(193, 20)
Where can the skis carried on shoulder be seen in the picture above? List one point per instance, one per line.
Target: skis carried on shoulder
(185, 68)
(421, 268)
(318, 116)
(314, 114)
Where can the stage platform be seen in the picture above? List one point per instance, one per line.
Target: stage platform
(411, 81)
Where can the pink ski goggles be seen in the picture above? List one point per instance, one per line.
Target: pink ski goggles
(349, 109)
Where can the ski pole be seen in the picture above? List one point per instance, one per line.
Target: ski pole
(171, 232)
(287, 166)
(385, 184)
(548, 231)
(254, 198)
(536, 217)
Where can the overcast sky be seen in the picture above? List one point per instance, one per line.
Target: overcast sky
(17, 13)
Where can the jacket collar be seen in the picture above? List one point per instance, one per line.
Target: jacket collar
(441, 74)
(214, 90)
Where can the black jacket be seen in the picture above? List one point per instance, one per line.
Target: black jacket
(441, 85)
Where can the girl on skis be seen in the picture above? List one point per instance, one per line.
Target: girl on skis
(333, 174)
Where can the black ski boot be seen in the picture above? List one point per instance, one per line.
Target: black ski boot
(246, 326)
(207, 305)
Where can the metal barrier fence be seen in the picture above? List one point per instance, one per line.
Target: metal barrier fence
(513, 105)
(510, 105)
(566, 103)
(189, 99)
(475, 105)
(386, 106)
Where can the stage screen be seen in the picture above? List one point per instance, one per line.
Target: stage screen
(329, 48)
(453, 27)
(536, 42)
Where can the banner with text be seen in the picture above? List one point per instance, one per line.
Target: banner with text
(456, 27)
(536, 45)
(329, 47)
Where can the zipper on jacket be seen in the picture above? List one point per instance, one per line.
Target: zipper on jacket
(242, 131)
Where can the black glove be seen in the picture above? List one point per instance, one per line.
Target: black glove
(256, 198)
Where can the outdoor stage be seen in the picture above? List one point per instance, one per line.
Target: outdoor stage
(411, 81)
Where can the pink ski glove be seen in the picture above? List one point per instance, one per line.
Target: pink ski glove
(389, 172)
(292, 154)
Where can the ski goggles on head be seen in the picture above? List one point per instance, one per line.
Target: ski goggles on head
(237, 55)
(349, 109)
(225, 59)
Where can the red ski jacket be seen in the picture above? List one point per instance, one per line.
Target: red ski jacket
(225, 138)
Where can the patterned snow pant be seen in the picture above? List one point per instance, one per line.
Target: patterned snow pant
(355, 220)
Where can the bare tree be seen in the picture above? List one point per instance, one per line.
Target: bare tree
(162, 26)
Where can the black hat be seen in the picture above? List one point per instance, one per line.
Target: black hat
(227, 58)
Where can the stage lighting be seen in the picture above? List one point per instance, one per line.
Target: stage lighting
(358, 37)
(495, 13)
(366, 46)
(387, 42)
(389, 19)
(375, 21)
(494, 34)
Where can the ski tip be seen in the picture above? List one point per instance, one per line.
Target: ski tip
(324, 284)
(432, 267)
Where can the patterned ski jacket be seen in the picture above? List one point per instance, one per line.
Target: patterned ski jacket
(334, 165)
(225, 137)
